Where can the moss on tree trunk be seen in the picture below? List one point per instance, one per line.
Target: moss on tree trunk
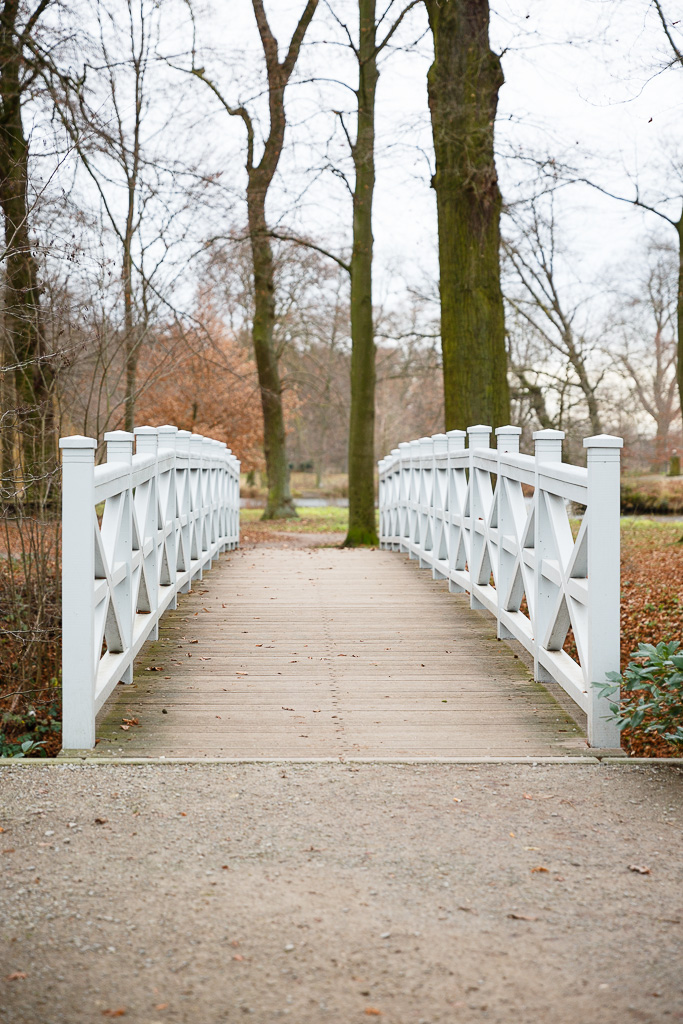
(362, 526)
(463, 85)
(279, 504)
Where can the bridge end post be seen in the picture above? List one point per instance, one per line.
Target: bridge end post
(604, 573)
(78, 581)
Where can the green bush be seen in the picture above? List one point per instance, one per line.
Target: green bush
(652, 691)
(27, 735)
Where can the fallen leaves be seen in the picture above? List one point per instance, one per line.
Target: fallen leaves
(540, 870)
(372, 1011)
(101, 821)
(155, 668)
(17, 976)
(522, 917)
(121, 1012)
(640, 869)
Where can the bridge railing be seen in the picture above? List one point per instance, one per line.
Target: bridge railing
(495, 524)
(136, 531)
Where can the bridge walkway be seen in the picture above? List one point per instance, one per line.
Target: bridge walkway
(323, 652)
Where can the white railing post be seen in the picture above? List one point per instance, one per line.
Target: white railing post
(439, 503)
(404, 496)
(507, 440)
(426, 499)
(147, 443)
(603, 511)
(182, 487)
(382, 501)
(547, 448)
(169, 501)
(120, 449)
(479, 437)
(197, 474)
(414, 496)
(457, 487)
(79, 658)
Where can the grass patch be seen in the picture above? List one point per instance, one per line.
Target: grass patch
(328, 519)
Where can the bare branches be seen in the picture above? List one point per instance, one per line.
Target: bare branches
(304, 243)
(297, 38)
(678, 54)
(238, 111)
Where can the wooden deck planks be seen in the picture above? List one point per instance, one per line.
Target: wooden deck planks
(330, 653)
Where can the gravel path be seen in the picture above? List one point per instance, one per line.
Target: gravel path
(339, 893)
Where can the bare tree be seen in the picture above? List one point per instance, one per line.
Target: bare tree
(537, 300)
(260, 174)
(645, 344)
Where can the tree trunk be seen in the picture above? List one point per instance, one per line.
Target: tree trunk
(362, 524)
(24, 338)
(130, 341)
(679, 313)
(279, 504)
(463, 85)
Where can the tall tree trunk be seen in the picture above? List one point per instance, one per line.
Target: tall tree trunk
(463, 85)
(362, 526)
(279, 504)
(130, 340)
(24, 337)
(679, 313)
(260, 176)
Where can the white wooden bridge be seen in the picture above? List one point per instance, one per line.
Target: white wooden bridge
(315, 653)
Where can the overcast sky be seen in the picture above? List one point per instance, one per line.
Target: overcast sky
(582, 83)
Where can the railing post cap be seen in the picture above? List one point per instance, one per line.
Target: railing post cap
(508, 429)
(184, 433)
(548, 435)
(144, 430)
(603, 441)
(457, 433)
(77, 441)
(404, 444)
(168, 428)
(395, 451)
(119, 435)
(439, 437)
(480, 428)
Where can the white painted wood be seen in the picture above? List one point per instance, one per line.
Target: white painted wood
(603, 460)
(168, 512)
(439, 504)
(78, 573)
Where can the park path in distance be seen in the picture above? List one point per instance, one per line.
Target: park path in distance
(324, 652)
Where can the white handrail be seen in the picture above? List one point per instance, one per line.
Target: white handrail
(462, 512)
(168, 512)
